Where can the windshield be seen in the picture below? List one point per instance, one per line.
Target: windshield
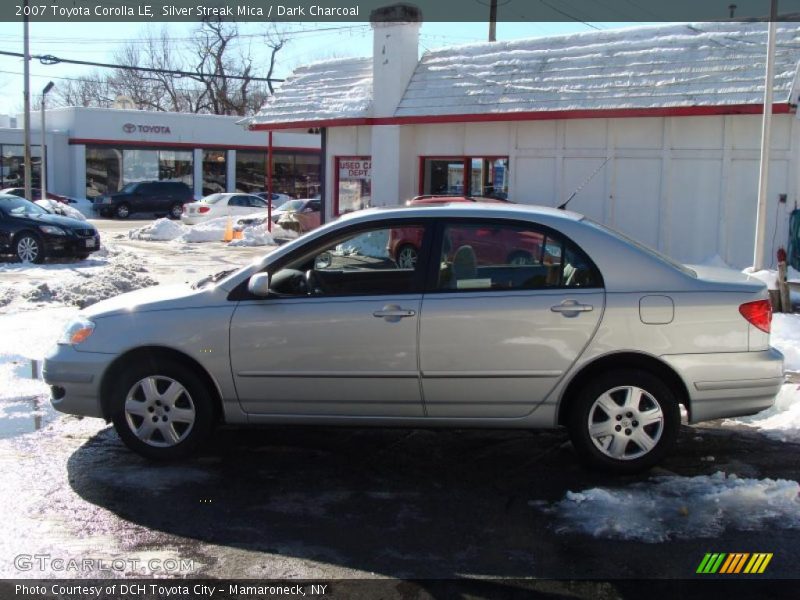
(128, 188)
(212, 199)
(643, 247)
(291, 206)
(19, 207)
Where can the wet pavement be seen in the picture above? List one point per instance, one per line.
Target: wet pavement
(301, 502)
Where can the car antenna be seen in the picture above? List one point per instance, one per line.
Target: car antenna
(563, 205)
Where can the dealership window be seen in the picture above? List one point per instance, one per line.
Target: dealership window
(471, 176)
(109, 168)
(293, 174)
(176, 165)
(215, 172)
(103, 170)
(307, 172)
(12, 165)
(251, 171)
(353, 188)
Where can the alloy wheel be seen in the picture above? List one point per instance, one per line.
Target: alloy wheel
(28, 249)
(159, 411)
(407, 258)
(625, 423)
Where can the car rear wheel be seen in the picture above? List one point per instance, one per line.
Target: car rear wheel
(624, 421)
(407, 257)
(175, 211)
(162, 411)
(29, 248)
(122, 211)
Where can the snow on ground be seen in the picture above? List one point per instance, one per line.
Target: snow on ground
(666, 508)
(212, 230)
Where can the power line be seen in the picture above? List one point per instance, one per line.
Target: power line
(49, 59)
(569, 16)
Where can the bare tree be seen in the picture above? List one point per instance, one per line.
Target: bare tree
(213, 54)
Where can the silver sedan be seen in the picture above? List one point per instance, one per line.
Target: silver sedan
(510, 316)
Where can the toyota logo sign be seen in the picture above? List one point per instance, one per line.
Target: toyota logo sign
(129, 128)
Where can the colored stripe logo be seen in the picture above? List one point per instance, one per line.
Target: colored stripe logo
(734, 563)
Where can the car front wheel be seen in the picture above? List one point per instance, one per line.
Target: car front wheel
(122, 211)
(175, 211)
(162, 411)
(407, 257)
(29, 248)
(624, 421)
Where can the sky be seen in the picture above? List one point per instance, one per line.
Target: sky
(309, 42)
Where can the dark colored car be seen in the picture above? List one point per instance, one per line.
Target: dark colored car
(33, 234)
(36, 194)
(145, 196)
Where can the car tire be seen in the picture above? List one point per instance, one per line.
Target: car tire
(407, 256)
(122, 211)
(162, 409)
(175, 211)
(82, 256)
(624, 421)
(29, 248)
(520, 257)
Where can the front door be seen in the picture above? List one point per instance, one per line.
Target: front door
(497, 334)
(338, 336)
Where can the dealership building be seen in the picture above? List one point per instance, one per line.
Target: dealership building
(91, 151)
(658, 127)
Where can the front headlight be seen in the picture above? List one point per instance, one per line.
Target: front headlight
(52, 230)
(77, 331)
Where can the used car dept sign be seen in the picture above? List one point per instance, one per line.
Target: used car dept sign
(133, 127)
(355, 169)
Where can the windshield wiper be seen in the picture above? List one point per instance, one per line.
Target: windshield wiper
(212, 278)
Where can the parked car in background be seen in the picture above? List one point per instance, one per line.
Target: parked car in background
(405, 245)
(32, 234)
(36, 194)
(300, 215)
(277, 199)
(145, 196)
(222, 205)
(608, 340)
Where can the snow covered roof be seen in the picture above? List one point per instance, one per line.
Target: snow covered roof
(332, 89)
(674, 65)
(705, 64)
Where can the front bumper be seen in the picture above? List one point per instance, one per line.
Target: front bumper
(75, 379)
(70, 246)
(729, 384)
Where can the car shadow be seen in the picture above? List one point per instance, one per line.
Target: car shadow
(400, 503)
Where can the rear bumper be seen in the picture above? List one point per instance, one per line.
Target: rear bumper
(730, 384)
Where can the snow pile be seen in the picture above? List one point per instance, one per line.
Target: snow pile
(785, 337)
(770, 278)
(59, 208)
(160, 230)
(668, 508)
(213, 230)
(123, 274)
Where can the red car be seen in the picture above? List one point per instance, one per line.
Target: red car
(491, 247)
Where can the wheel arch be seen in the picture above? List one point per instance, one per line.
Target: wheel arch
(635, 360)
(153, 354)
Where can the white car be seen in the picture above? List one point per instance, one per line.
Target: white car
(221, 205)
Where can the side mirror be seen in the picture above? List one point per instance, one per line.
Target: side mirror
(259, 285)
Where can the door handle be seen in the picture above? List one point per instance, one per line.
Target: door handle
(571, 308)
(393, 313)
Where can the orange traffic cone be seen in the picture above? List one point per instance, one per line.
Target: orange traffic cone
(228, 231)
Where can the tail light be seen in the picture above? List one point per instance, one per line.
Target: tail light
(758, 313)
(203, 209)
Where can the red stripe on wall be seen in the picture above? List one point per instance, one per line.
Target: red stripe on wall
(140, 144)
(611, 113)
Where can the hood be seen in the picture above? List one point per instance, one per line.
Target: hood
(68, 222)
(158, 297)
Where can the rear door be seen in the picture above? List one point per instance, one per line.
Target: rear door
(496, 335)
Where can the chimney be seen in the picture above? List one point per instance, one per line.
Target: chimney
(395, 50)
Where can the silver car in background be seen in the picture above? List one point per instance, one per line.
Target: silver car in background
(512, 316)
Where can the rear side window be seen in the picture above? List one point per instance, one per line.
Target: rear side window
(507, 257)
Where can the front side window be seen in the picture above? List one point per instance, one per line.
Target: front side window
(363, 263)
(491, 256)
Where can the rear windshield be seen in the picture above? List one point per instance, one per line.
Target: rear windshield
(643, 247)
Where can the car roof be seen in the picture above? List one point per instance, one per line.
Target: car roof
(466, 209)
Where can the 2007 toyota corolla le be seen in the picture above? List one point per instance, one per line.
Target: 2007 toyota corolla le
(576, 326)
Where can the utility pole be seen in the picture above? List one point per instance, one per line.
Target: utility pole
(763, 175)
(493, 21)
(27, 99)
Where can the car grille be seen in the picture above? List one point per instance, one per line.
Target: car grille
(87, 233)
